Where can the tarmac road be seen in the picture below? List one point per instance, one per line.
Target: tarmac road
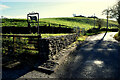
(98, 58)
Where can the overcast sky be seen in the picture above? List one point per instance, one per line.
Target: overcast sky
(54, 8)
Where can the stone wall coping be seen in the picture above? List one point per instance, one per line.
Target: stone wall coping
(52, 37)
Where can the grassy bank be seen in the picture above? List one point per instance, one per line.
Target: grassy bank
(69, 22)
(117, 37)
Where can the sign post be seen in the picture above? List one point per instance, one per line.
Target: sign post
(33, 18)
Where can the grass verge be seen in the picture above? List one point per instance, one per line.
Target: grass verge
(82, 38)
(117, 37)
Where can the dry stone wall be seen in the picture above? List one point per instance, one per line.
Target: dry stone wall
(52, 45)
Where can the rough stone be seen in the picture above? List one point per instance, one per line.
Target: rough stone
(52, 45)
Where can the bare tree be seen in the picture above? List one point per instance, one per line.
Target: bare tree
(114, 12)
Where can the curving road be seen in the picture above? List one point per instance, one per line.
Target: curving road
(99, 57)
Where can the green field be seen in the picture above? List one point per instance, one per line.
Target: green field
(68, 22)
(23, 42)
(42, 35)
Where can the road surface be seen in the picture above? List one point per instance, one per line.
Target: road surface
(99, 57)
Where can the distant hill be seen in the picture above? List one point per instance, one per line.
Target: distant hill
(69, 22)
(78, 21)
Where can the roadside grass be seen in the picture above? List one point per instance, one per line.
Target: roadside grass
(117, 37)
(51, 35)
(82, 38)
(95, 33)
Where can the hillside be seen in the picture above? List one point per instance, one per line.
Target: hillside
(78, 21)
(69, 22)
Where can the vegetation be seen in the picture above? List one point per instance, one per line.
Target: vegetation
(99, 23)
(7, 44)
(81, 22)
(114, 12)
(42, 35)
(14, 22)
(50, 35)
(69, 22)
(82, 38)
(22, 43)
(117, 37)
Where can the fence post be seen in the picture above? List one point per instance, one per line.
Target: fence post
(38, 44)
(59, 25)
(14, 43)
(49, 25)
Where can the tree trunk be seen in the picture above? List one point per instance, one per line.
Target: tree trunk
(99, 27)
(119, 30)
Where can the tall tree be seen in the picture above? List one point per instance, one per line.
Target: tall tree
(114, 12)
